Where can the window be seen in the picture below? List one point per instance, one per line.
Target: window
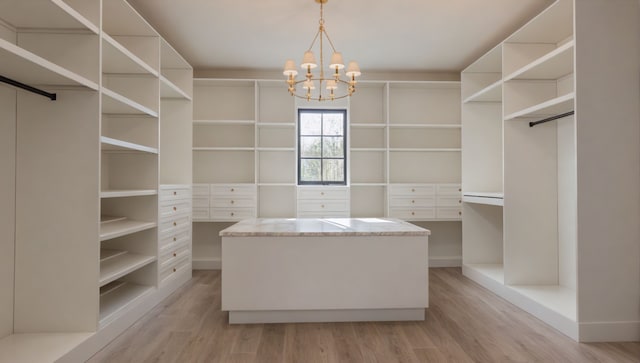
(321, 147)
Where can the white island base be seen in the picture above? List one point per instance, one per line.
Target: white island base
(321, 270)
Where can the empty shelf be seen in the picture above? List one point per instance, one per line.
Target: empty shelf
(169, 90)
(495, 272)
(114, 103)
(106, 254)
(117, 296)
(118, 59)
(23, 66)
(127, 193)
(491, 93)
(109, 144)
(551, 107)
(113, 268)
(559, 299)
(122, 228)
(553, 65)
(484, 198)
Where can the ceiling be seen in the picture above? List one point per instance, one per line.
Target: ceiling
(384, 36)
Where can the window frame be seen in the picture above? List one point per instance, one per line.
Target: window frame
(322, 136)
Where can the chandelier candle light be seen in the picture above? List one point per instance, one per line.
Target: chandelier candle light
(309, 63)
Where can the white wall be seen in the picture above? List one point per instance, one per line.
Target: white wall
(7, 201)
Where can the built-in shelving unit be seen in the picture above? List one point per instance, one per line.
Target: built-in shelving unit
(92, 266)
(529, 233)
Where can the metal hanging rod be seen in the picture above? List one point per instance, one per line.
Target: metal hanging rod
(51, 96)
(533, 123)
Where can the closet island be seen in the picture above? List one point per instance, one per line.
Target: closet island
(317, 270)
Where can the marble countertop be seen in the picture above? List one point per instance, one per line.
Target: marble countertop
(333, 227)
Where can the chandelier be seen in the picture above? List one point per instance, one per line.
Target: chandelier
(335, 66)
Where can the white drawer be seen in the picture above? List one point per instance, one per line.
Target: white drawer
(417, 201)
(325, 214)
(450, 201)
(201, 189)
(174, 269)
(229, 190)
(179, 236)
(219, 202)
(200, 202)
(323, 193)
(449, 189)
(174, 224)
(171, 255)
(412, 189)
(412, 213)
(174, 194)
(174, 208)
(311, 205)
(449, 213)
(200, 214)
(232, 214)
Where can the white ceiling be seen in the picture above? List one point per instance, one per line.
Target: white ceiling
(399, 35)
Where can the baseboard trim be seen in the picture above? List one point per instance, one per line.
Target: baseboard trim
(207, 264)
(445, 261)
(321, 316)
(616, 331)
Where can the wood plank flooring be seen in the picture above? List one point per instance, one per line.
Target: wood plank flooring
(465, 323)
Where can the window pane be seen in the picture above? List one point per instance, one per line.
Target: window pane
(333, 170)
(333, 124)
(310, 170)
(333, 147)
(310, 123)
(310, 146)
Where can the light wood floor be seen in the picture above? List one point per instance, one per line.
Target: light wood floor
(465, 323)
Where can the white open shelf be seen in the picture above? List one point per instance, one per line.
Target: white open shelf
(113, 268)
(488, 198)
(169, 90)
(368, 184)
(559, 299)
(224, 122)
(551, 107)
(110, 144)
(276, 124)
(114, 103)
(223, 149)
(491, 93)
(51, 14)
(25, 67)
(495, 272)
(426, 126)
(553, 65)
(117, 297)
(122, 193)
(368, 125)
(276, 148)
(106, 253)
(122, 227)
(425, 149)
(118, 59)
(380, 149)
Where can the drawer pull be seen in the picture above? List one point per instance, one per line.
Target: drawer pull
(175, 193)
(174, 239)
(232, 214)
(459, 201)
(459, 189)
(174, 269)
(233, 201)
(322, 206)
(175, 254)
(413, 213)
(321, 193)
(175, 209)
(459, 213)
(175, 224)
(233, 190)
(413, 201)
(413, 190)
